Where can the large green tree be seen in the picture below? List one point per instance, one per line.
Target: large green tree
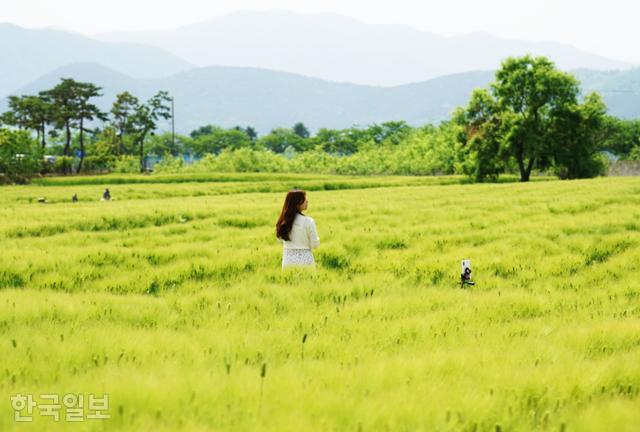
(63, 99)
(71, 109)
(29, 112)
(86, 112)
(145, 120)
(532, 94)
(531, 116)
(123, 111)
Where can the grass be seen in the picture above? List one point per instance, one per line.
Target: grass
(171, 300)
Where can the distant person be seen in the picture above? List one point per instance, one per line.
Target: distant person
(74, 198)
(106, 196)
(297, 231)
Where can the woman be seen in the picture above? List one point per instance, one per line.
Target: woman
(297, 231)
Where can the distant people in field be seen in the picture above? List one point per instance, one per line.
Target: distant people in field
(297, 231)
(106, 196)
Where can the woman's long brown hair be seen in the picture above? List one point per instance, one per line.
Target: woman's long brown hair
(288, 214)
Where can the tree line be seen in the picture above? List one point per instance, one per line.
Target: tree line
(531, 118)
(66, 111)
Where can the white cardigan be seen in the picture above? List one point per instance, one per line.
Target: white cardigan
(303, 234)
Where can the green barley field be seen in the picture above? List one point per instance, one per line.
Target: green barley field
(170, 299)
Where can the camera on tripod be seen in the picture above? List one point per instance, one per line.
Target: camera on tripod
(465, 276)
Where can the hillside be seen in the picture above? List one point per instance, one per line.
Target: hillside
(27, 54)
(342, 49)
(265, 99)
(620, 89)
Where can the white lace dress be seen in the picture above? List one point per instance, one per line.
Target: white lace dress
(297, 257)
(297, 251)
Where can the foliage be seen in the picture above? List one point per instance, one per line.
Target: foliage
(531, 93)
(217, 139)
(529, 121)
(480, 138)
(426, 151)
(106, 144)
(29, 112)
(341, 142)
(145, 119)
(301, 130)
(126, 164)
(392, 132)
(242, 160)
(531, 116)
(63, 165)
(164, 144)
(20, 156)
(621, 136)
(99, 164)
(63, 99)
(123, 114)
(86, 112)
(169, 164)
(577, 140)
(634, 154)
(280, 138)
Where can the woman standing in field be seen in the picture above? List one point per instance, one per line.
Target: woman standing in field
(297, 231)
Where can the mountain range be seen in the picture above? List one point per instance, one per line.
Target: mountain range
(264, 99)
(28, 54)
(273, 69)
(342, 49)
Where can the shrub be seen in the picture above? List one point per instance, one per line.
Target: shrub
(20, 156)
(63, 165)
(169, 164)
(127, 164)
(98, 163)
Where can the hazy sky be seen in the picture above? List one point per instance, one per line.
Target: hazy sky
(610, 28)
